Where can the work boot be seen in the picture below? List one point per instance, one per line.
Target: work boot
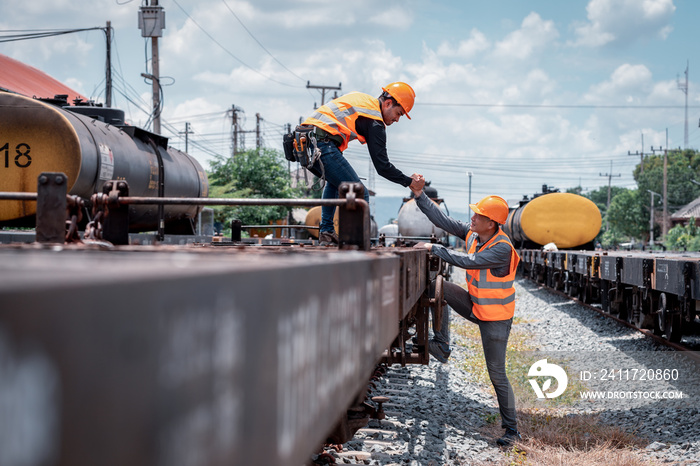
(328, 238)
(439, 350)
(509, 437)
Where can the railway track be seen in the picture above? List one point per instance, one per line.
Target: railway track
(653, 290)
(442, 414)
(689, 344)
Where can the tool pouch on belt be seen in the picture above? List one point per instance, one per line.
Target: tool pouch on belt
(288, 144)
(305, 145)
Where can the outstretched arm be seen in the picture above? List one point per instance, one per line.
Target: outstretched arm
(439, 218)
(374, 133)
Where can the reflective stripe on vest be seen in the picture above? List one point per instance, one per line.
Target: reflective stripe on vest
(339, 116)
(493, 297)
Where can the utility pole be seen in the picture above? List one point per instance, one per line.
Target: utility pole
(469, 174)
(610, 177)
(640, 154)
(152, 23)
(108, 66)
(186, 133)
(258, 139)
(684, 87)
(234, 130)
(323, 90)
(664, 195)
(651, 218)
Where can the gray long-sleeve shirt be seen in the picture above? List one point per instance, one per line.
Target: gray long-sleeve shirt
(496, 258)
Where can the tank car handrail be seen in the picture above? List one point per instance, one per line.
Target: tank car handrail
(133, 200)
(306, 227)
(206, 201)
(10, 196)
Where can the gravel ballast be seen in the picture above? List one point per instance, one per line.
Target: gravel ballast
(442, 415)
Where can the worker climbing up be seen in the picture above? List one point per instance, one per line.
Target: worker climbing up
(354, 116)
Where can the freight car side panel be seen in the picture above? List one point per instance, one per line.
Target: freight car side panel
(609, 268)
(155, 358)
(668, 274)
(633, 271)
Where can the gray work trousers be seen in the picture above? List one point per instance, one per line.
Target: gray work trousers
(494, 340)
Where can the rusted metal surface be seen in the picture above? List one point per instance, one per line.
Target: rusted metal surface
(51, 208)
(198, 355)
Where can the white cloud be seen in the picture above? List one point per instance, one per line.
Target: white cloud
(394, 17)
(466, 49)
(534, 34)
(628, 83)
(624, 21)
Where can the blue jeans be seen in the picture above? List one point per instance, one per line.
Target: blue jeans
(494, 340)
(337, 170)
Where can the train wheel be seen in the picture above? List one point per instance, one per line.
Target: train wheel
(573, 285)
(558, 283)
(659, 323)
(648, 305)
(634, 309)
(594, 289)
(584, 293)
(673, 326)
(605, 296)
(616, 303)
(672, 319)
(668, 321)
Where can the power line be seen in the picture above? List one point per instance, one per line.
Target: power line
(27, 34)
(228, 51)
(259, 43)
(572, 106)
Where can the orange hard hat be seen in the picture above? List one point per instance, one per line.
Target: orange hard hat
(493, 207)
(403, 94)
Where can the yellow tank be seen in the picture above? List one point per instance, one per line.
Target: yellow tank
(313, 218)
(565, 219)
(38, 138)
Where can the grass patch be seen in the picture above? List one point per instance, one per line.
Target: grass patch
(553, 434)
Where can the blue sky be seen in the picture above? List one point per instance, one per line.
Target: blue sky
(520, 93)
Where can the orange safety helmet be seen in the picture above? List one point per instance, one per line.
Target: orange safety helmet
(403, 94)
(493, 207)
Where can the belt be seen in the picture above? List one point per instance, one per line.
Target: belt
(325, 135)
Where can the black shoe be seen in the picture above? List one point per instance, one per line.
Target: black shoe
(439, 350)
(327, 238)
(508, 438)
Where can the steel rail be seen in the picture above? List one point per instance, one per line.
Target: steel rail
(680, 348)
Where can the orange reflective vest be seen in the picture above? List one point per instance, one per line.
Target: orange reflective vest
(493, 297)
(338, 116)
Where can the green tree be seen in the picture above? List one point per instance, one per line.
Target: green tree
(611, 239)
(600, 197)
(683, 237)
(683, 166)
(257, 173)
(627, 215)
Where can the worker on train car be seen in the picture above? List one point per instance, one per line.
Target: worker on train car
(489, 300)
(356, 116)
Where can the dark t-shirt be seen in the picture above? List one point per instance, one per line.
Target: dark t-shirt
(374, 133)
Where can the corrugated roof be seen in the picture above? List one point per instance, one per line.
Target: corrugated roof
(23, 79)
(687, 211)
